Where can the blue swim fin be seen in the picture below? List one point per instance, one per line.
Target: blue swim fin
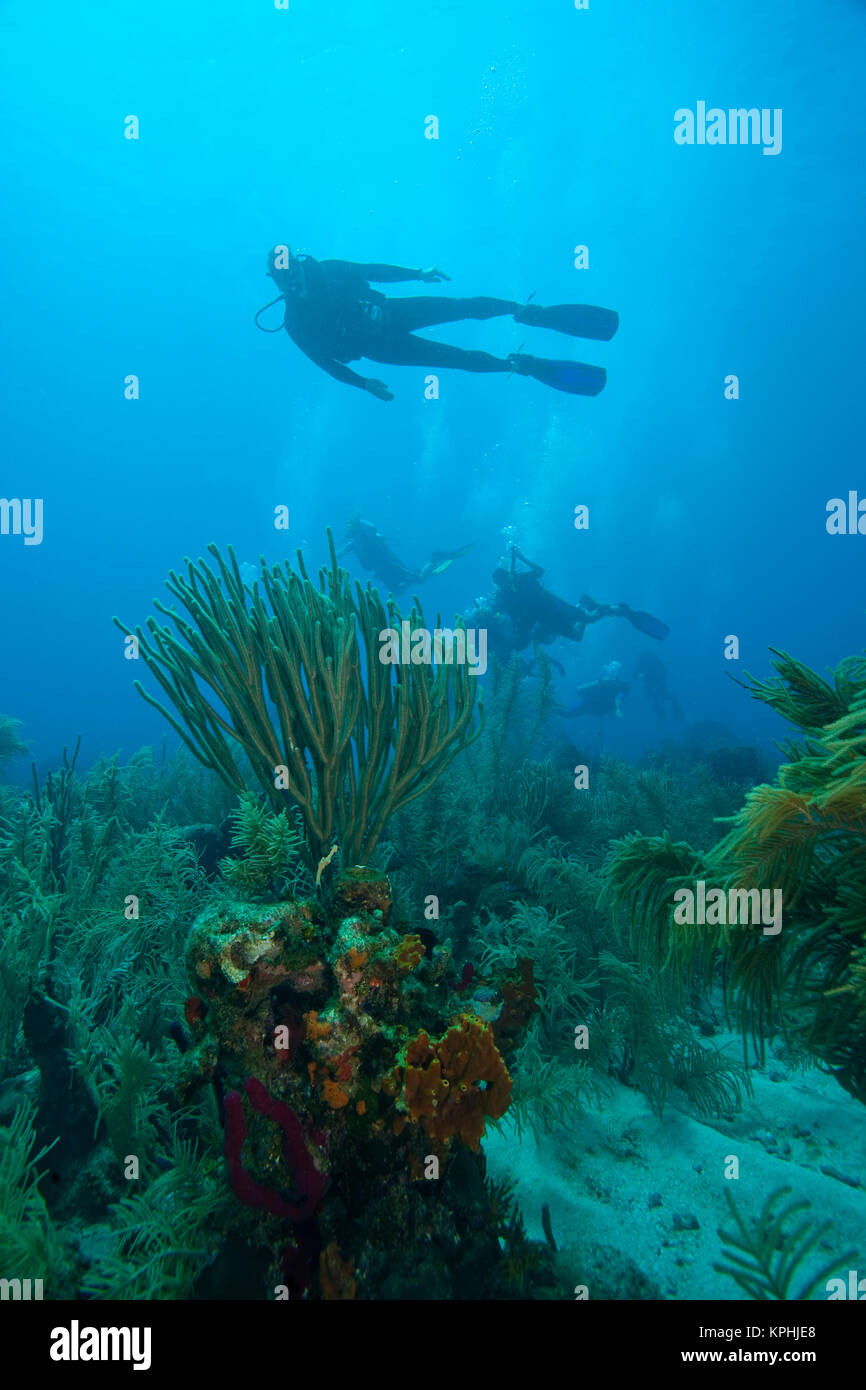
(443, 558)
(577, 378)
(577, 320)
(647, 624)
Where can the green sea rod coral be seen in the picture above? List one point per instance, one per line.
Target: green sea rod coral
(764, 1258)
(283, 680)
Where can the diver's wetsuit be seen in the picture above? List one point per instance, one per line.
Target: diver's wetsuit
(598, 698)
(537, 614)
(336, 317)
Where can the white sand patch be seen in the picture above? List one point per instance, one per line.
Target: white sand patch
(622, 1176)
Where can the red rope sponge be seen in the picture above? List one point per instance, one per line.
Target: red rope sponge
(309, 1183)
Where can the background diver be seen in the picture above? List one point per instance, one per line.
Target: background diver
(537, 615)
(335, 317)
(654, 676)
(375, 554)
(601, 698)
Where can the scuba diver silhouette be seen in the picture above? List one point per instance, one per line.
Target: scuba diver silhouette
(375, 554)
(334, 316)
(601, 698)
(537, 615)
(654, 676)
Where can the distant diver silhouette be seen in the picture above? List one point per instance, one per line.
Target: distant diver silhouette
(375, 554)
(601, 698)
(537, 615)
(652, 672)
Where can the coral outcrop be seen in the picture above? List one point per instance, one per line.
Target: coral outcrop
(355, 1089)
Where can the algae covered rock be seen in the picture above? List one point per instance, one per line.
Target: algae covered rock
(352, 1081)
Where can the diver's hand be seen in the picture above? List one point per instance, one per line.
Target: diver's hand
(433, 276)
(378, 389)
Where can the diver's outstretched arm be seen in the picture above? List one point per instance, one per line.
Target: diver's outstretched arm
(533, 567)
(340, 372)
(381, 274)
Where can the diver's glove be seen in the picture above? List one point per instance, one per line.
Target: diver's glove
(378, 389)
(433, 276)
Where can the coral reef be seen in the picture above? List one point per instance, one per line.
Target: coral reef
(267, 1075)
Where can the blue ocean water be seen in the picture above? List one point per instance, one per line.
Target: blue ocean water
(151, 156)
(307, 125)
